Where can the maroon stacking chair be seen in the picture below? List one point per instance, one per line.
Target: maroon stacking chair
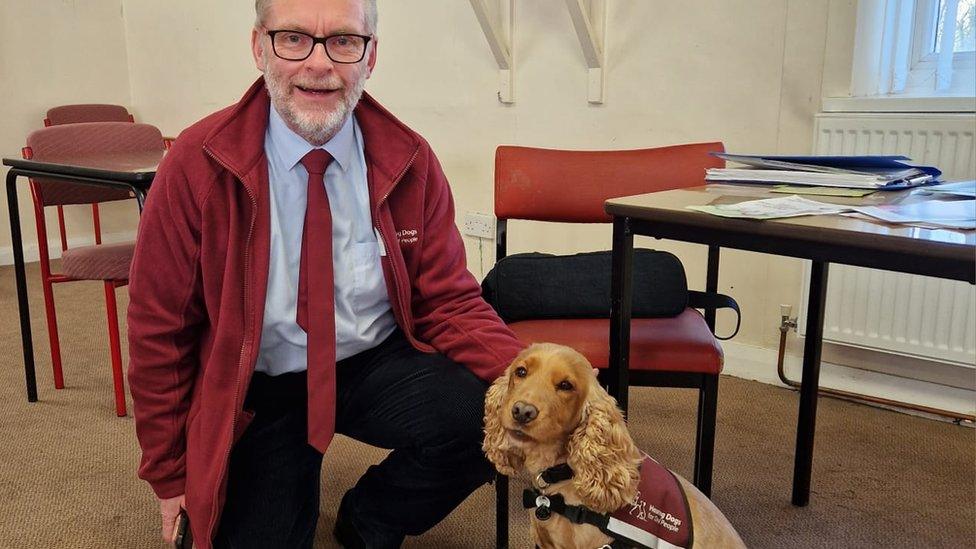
(85, 112)
(106, 262)
(90, 112)
(571, 187)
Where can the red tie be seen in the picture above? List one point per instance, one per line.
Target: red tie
(316, 303)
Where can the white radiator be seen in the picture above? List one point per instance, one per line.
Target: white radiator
(909, 315)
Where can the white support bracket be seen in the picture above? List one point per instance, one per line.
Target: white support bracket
(590, 20)
(491, 15)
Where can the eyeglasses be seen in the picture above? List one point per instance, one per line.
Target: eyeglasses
(297, 46)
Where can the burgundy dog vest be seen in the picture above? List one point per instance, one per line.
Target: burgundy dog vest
(657, 518)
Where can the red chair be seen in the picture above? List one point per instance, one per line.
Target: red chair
(106, 262)
(92, 112)
(87, 112)
(571, 187)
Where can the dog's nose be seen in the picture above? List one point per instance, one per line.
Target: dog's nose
(524, 413)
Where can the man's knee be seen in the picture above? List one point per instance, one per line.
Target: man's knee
(460, 406)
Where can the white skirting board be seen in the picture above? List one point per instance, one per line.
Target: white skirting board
(759, 364)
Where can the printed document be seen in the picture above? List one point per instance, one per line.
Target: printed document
(952, 214)
(772, 208)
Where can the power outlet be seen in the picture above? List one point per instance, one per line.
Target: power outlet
(479, 225)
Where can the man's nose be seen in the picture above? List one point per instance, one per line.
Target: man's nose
(524, 413)
(319, 57)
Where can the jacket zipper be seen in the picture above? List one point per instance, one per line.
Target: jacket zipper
(244, 345)
(389, 258)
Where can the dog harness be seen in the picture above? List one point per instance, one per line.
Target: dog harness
(657, 518)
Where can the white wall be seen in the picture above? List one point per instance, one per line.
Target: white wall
(54, 53)
(747, 72)
(187, 58)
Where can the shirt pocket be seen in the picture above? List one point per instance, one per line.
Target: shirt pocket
(370, 286)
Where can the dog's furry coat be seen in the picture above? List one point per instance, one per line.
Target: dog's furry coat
(573, 420)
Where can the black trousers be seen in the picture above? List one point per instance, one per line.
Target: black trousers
(426, 408)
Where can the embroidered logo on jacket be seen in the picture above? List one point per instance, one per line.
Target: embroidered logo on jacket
(407, 236)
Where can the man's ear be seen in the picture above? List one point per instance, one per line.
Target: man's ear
(257, 47)
(371, 58)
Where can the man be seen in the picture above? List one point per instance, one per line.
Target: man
(280, 294)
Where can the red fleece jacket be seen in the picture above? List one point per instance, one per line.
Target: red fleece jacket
(199, 278)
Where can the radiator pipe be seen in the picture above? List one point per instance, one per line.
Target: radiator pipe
(786, 324)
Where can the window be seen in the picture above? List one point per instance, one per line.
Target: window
(915, 48)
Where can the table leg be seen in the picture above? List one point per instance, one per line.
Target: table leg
(810, 385)
(711, 283)
(501, 511)
(27, 342)
(620, 309)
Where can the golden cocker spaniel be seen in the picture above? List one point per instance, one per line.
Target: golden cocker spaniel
(548, 409)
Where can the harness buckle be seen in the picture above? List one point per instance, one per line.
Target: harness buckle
(542, 511)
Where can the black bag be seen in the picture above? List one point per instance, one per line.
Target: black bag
(537, 286)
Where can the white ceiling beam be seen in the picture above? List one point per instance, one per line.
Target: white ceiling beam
(589, 19)
(490, 15)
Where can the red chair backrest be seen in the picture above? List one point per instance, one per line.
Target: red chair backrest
(92, 112)
(73, 141)
(571, 186)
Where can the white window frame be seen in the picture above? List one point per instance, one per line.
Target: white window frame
(893, 69)
(925, 64)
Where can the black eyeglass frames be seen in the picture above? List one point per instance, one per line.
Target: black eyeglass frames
(293, 45)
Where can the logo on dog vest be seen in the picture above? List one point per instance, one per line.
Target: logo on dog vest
(658, 516)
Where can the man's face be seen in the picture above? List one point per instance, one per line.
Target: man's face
(314, 96)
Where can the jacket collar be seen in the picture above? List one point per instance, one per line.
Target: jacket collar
(237, 141)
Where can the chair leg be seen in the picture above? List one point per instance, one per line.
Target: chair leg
(501, 511)
(52, 333)
(115, 348)
(705, 436)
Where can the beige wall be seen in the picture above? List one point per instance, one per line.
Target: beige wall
(749, 73)
(187, 58)
(55, 53)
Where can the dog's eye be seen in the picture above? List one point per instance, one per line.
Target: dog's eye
(521, 371)
(564, 386)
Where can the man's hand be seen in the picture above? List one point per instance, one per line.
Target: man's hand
(169, 510)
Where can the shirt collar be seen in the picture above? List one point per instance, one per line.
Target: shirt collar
(291, 147)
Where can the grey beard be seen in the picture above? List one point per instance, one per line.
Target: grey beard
(314, 131)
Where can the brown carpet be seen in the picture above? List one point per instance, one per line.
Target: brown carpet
(880, 479)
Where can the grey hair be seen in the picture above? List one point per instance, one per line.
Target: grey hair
(261, 8)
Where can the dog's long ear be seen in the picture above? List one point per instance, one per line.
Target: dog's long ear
(603, 455)
(505, 459)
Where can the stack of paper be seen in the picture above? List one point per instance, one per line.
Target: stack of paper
(772, 208)
(863, 172)
(949, 214)
(958, 188)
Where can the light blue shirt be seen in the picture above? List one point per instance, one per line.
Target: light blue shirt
(363, 317)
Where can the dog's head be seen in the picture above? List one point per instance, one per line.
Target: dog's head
(549, 398)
